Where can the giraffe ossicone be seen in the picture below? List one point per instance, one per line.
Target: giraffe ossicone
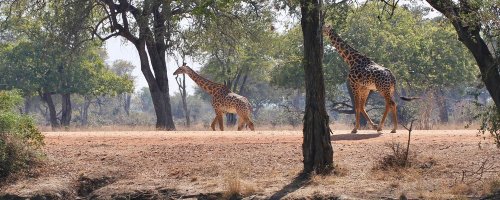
(223, 100)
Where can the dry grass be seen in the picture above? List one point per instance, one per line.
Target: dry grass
(258, 163)
(462, 189)
(492, 186)
(235, 188)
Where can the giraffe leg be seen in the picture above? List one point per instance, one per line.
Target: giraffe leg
(357, 109)
(381, 125)
(221, 121)
(394, 116)
(364, 98)
(218, 118)
(213, 122)
(241, 122)
(249, 123)
(390, 105)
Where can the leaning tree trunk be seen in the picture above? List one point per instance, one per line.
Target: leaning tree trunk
(66, 110)
(465, 19)
(158, 83)
(47, 97)
(317, 148)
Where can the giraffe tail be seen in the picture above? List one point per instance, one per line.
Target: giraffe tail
(409, 98)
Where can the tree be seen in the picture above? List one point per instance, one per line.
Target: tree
(317, 148)
(150, 27)
(234, 52)
(472, 20)
(30, 67)
(124, 69)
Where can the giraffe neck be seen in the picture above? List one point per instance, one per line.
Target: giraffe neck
(205, 84)
(350, 55)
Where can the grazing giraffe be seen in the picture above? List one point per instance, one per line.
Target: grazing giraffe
(223, 100)
(364, 76)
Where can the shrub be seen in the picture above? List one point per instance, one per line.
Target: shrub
(20, 140)
(490, 122)
(488, 116)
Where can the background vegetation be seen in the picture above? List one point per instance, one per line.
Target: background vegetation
(20, 140)
(66, 81)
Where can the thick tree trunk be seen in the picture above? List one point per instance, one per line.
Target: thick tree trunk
(466, 22)
(317, 148)
(158, 84)
(47, 97)
(66, 110)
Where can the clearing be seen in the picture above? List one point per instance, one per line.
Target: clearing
(259, 165)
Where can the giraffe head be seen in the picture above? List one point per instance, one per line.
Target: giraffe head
(327, 29)
(182, 69)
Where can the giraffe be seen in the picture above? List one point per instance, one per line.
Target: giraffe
(364, 76)
(223, 100)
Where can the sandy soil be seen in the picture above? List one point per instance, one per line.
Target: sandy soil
(197, 164)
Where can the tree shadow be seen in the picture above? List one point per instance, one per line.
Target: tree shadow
(301, 180)
(351, 136)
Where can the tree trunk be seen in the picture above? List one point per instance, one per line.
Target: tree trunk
(230, 117)
(158, 84)
(442, 106)
(85, 111)
(27, 105)
(127, 100)
(66, 110)
(184, 101)
(469, 34)
(317, 148)
(47, 97)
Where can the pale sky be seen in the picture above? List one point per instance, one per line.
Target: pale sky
(117, 49)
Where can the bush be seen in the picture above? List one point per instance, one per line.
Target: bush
(20, 140)
(490, 122)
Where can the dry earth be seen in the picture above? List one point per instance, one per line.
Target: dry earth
(259, 165)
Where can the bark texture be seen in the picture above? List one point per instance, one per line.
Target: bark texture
(47, 97)
(316, 148)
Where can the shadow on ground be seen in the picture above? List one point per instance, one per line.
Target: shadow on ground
(351, 136)
(298, 182)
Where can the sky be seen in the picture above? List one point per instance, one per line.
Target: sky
(119, 50)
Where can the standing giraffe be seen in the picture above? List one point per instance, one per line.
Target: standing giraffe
(223, 100)
(364, 76)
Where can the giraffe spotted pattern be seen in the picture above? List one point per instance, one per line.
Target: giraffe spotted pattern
(365, 76)
(223, 100)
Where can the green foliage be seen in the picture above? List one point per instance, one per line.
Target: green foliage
(487, 115)
(489, 120)
(423, 53)
(20, 140)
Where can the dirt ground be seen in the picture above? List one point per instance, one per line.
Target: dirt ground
(259, 165)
